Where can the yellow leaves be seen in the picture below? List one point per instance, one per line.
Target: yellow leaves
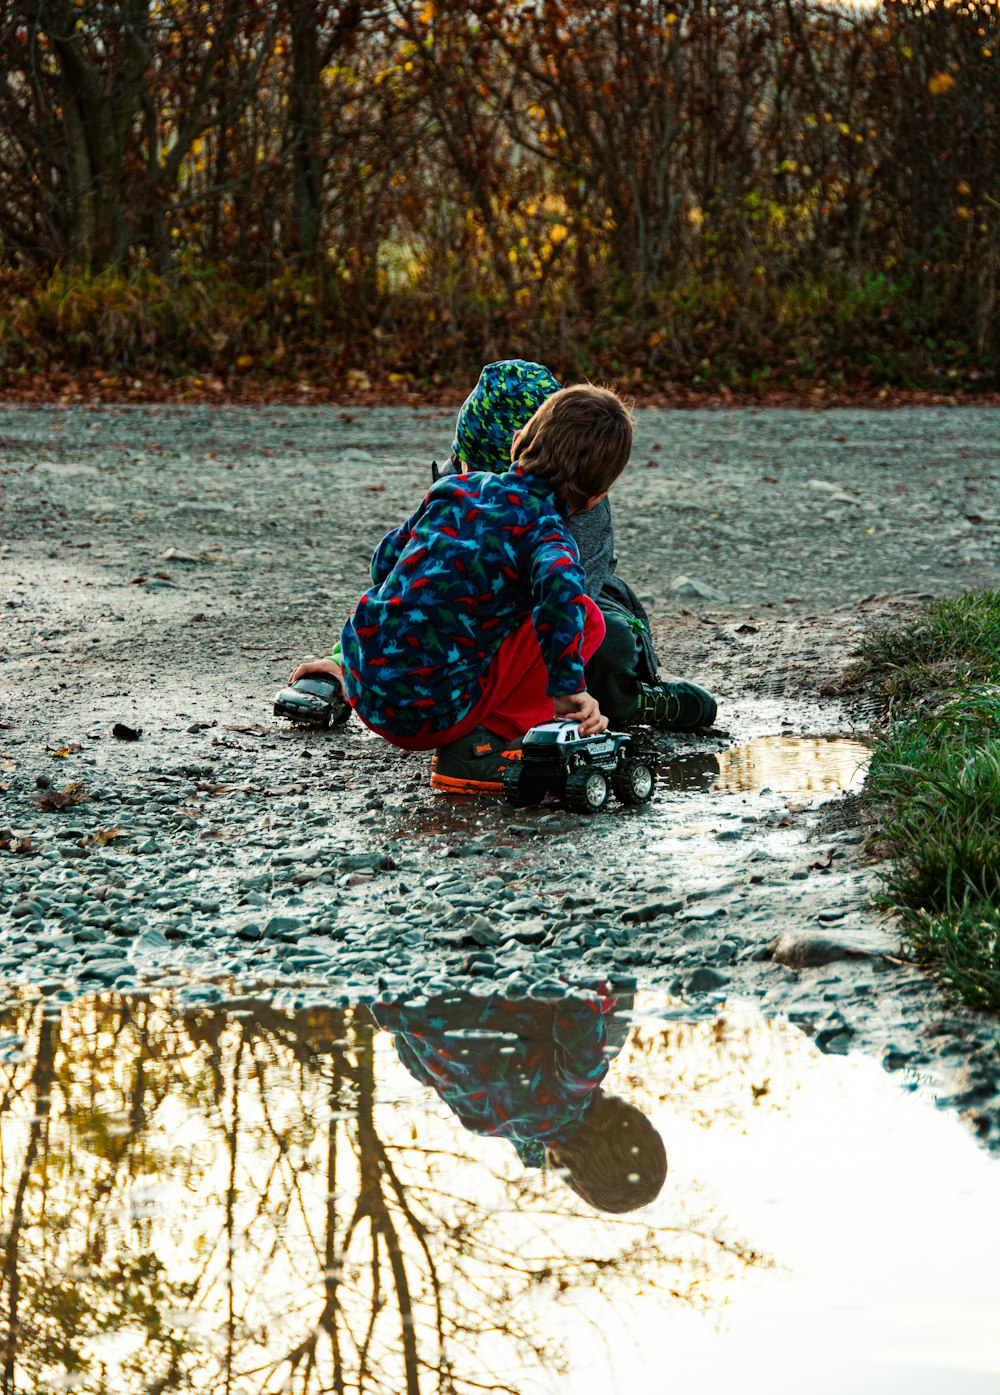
(906, 51)
(940, 83)
(963, 213)
(62, 751)
(100, 838)
(812, 119)
(512, 256)
(558, 233)
(427, 13)
(244, 361)
(964, 188)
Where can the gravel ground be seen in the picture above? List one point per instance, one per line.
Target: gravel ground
(165, 567)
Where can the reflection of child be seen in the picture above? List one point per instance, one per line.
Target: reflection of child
(530, 1071)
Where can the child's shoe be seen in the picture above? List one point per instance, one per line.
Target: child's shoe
(675, 705)
(473, 764)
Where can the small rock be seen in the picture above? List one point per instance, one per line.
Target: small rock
(691, 587)
(367, 862)
(529, 932)
(177, 554)
(652, 910)
(282, 925)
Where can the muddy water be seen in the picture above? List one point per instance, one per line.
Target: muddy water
(249, 1200)
(788, 765)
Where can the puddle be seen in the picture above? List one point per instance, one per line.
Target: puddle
(255, 1200)
(792, 766)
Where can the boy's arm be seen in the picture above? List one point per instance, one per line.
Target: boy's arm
(390, 549)
(557, 589)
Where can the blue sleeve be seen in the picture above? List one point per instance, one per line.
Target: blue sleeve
(557, 591)
(390, 549)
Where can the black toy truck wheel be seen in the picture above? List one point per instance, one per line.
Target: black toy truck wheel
(586, 790)
(634, 782)
(522, 787)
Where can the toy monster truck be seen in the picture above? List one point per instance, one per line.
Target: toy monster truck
(579, 769)
(313, 701)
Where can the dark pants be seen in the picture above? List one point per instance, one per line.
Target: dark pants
(617, 668)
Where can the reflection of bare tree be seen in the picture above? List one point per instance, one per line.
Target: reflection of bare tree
(237, 1203)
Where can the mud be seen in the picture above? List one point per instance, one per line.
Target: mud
(223, 853)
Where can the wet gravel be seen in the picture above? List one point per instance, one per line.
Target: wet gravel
(164, 568)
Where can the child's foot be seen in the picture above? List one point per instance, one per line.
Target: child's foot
(473, 764)
(675, 705)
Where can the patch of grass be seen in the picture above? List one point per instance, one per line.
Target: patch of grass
(950, 645)
(965, 943)
(936, 775)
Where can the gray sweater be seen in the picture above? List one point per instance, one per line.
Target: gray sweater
(595, 537)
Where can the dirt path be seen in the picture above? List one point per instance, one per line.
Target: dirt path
(324, 863)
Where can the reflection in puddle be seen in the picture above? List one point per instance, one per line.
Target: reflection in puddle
(357, 1199)
(787, 765)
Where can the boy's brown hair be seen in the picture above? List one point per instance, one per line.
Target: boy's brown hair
(617, 1160)
(580, 439)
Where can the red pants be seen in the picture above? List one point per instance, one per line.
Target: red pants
(515, 698)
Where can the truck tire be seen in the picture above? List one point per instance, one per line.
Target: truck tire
(586, 790)
(634, 782)
(522, 787)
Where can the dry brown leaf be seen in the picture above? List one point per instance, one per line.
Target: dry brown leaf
(66, 798)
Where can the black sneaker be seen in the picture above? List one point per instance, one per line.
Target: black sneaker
(675, 705)
(316, 700)
(474, 763)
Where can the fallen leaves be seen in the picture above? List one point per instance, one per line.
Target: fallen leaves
(14, 843)
(70, 749)
(70, 795)
(100, 838)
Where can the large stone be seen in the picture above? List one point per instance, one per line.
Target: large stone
(811, 949)
(703, 980)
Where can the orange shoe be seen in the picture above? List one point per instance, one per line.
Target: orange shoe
(474, 764)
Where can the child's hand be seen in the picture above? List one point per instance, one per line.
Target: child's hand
(582, 709)
(327, 666)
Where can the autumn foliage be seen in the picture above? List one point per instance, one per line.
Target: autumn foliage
(748, 194)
